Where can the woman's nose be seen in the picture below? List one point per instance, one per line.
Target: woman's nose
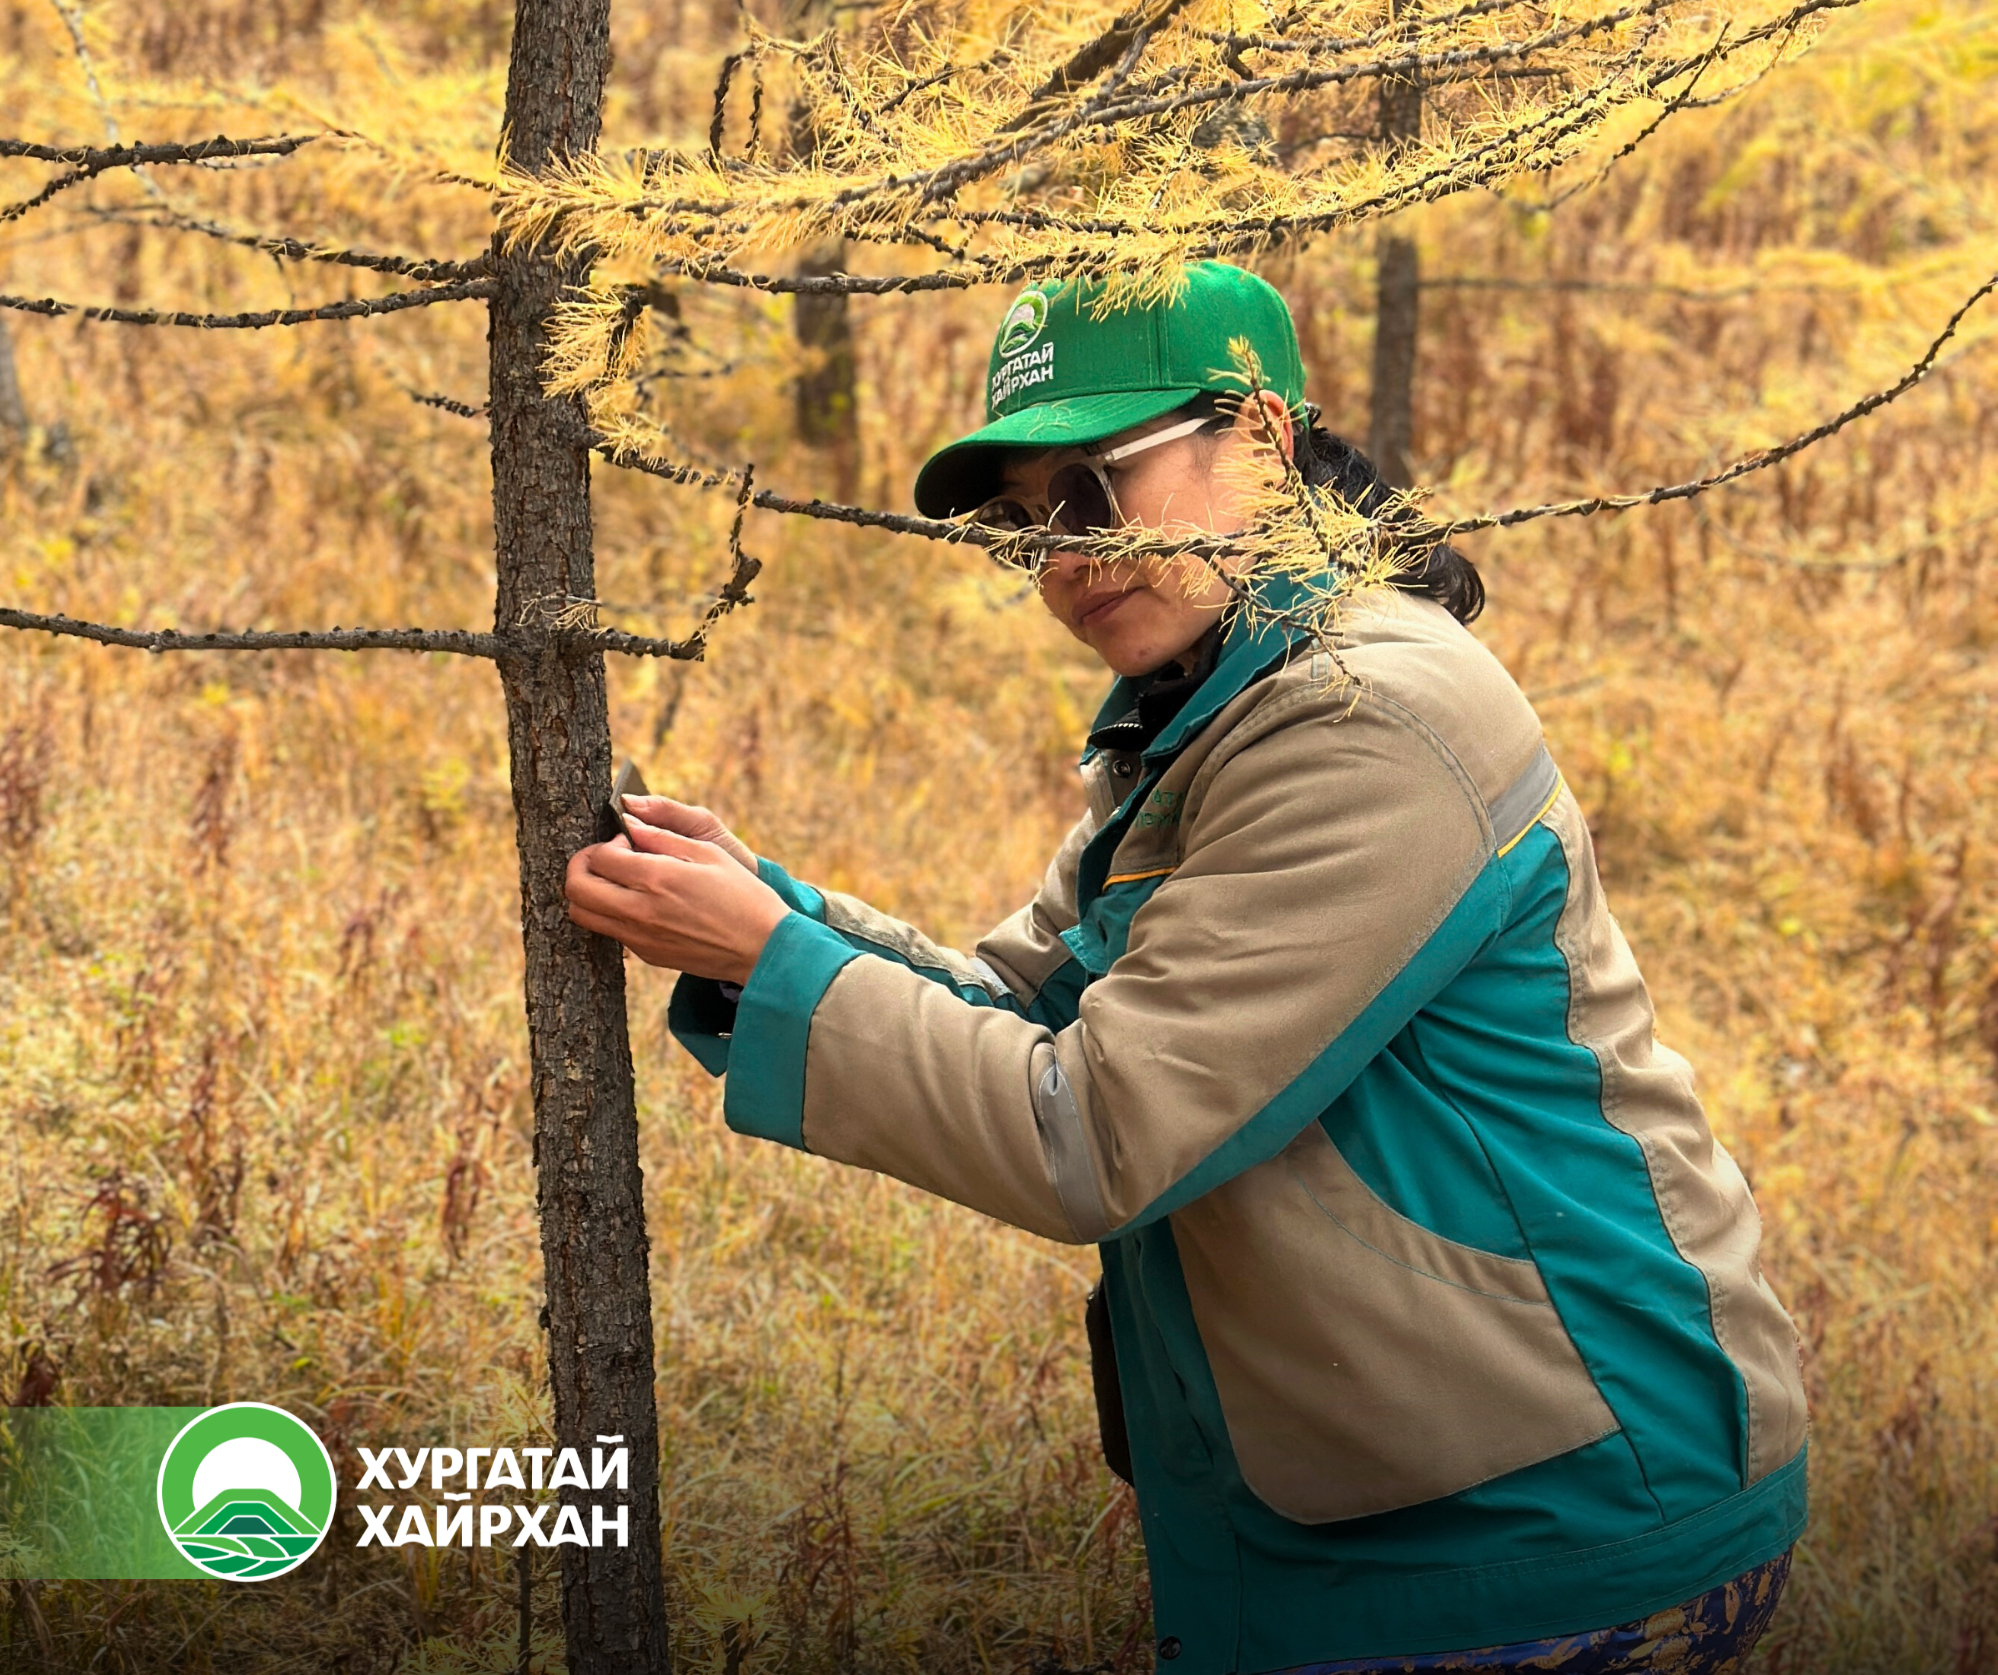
(1063, 565)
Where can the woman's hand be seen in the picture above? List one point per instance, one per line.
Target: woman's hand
(693, 904)
(689, 821)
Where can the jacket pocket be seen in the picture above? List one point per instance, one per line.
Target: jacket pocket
(1109, 1389)
(1362, 1362)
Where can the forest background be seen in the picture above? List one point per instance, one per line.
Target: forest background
(262, 1070)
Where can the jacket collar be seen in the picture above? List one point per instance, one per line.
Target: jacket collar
(1251, 647)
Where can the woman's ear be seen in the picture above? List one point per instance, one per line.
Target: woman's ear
(1286, 431)
(1264, 416)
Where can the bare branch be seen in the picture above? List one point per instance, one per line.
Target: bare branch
(1013, 547)
(354, 308)
(448, 404)
(728, 69)
(688, 476)
(841, 284)
(101, 157)
(462, 642)
(572, 612)
(733, 592)
(296, 250)
(87, 162)
(1759, 461)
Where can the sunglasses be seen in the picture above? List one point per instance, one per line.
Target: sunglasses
(1079, 499)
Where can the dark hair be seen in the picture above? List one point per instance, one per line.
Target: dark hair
(1429, 564)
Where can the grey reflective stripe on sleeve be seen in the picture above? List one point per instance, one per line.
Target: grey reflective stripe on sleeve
(1524, 800)
(1059, 1120)
(995, 984)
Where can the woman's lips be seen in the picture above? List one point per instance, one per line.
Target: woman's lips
(1094, 613)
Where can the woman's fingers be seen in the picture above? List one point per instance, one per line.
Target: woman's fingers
(596, 922)
(701, 824)
(677, 902)
(648, 839)
(611, 880)
(638, 867)
(588, 888)
(684, 818)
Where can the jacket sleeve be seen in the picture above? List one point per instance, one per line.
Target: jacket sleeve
(1336, 872)
(1021, 966)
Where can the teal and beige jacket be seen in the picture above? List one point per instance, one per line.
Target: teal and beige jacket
(1436, 1305)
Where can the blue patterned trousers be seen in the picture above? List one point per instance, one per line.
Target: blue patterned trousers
(1710, 1635)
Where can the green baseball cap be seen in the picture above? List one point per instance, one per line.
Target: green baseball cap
(1061, 375)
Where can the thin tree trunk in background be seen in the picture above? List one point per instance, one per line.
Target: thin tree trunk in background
(1397, 292)
(827, 418)
(598, 1314)
(13, 415)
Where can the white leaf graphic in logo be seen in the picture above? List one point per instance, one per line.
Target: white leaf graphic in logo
(1023, 323)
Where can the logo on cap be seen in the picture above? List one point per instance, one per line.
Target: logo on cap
(1024, 322)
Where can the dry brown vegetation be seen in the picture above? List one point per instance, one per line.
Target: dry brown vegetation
(261, 1058)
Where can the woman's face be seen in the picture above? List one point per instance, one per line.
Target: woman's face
(1140, 614)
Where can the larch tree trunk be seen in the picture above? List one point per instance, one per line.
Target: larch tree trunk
(1397, 294)
(598, 1314)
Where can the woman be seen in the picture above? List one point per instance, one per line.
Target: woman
(1439, 1337)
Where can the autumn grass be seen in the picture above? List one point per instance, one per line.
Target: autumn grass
(261, 1050)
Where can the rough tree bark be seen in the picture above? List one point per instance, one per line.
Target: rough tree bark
(1397, 292)
(598, 1313)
